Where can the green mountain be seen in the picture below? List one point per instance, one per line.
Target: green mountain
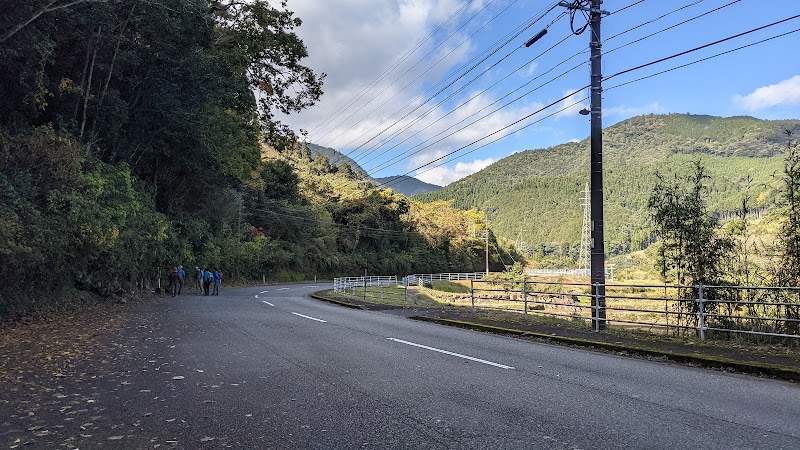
(407, 186)
(535, 196)
(338, 158)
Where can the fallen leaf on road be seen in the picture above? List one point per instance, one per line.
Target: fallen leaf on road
(115, 438)
(206, 439)
(179, 377)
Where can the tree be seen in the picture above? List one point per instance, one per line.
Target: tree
(692, 251)
(789, 237)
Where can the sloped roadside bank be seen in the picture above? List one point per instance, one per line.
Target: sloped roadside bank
(773, 361)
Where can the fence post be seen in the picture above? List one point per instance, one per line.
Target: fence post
(701, 313)
(472, 293)
(525, 296)
(596, 307)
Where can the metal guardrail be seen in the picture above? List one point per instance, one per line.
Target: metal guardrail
(729, 310)
(415, 279)
(769, 312)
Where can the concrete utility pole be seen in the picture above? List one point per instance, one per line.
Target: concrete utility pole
(598, 254)
(598, 241)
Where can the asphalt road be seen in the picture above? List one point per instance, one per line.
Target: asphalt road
(271, 368)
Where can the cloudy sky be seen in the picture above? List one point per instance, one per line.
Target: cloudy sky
(439, 89)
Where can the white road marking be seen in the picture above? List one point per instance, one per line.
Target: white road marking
(309, 317)
(283, 289)
(263, 292)
(310, 286)
(502, 366)
(264, 301)
(256, 295)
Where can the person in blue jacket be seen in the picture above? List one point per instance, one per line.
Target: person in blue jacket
(181, 276)
(208, 278)
(217, 281)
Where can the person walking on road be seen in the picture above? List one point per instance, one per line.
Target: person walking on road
(208, 278)
(181, 276)
(174, 279)
(198, 278)
(217, 281)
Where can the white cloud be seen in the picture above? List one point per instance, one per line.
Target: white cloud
(444, 175)
(630, 111)
(786, 92)
(572, 104)
(364, 40)
(531, 70)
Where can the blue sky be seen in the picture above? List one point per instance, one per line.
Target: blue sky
(385, 58)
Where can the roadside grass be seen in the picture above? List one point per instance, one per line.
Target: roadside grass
(450, 286)
(390, 296)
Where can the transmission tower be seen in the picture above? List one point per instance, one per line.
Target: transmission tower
(586, 231)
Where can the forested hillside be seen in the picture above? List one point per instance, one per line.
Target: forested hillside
(537, 194)
(407, 185)
(136, 136)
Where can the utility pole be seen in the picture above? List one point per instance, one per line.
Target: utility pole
(598, 254)
(598, 240)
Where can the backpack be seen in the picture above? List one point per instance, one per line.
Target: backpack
(207, 276)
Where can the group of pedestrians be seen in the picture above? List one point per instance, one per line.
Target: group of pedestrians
(205, 280)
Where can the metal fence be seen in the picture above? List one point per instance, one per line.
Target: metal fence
(701, 309)
(418, 278)
(716, 311)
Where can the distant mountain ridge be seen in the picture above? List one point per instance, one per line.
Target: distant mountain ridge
(338, 158)
(408, 186)
(535, 195)
(403, 184)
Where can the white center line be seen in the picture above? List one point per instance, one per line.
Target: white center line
(283, 289)
(502, 366)
(263, 292)
(264, 301)
(309, 317)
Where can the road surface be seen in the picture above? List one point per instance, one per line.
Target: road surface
(269, 367)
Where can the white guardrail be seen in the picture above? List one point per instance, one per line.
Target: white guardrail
(722, 311)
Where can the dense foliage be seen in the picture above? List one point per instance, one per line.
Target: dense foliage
(136, 136)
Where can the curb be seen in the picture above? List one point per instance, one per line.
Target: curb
(335, 302)
(714, 362)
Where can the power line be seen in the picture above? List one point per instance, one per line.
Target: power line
(386, 72)
(499, 138)
(422, 73)
(498, 131)
(626, 7)
(464, 104)
(703, 59)
(655, 20)
(396, 158)
(613, 87)
(700, 47)
(489, 53)
(671, 27)
(433, 108)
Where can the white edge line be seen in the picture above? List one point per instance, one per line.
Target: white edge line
(264, 301)
(502, 366)
(263, 292)
(309, 317)
(283, 289)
